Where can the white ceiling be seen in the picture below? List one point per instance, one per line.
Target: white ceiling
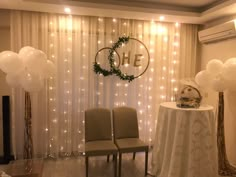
(184, 11)
(190, 3)
(200, 4)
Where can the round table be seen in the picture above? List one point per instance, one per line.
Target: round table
(185, 142)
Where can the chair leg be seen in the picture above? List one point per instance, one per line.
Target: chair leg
(86, 166)
(134, 155)
(146, 162)
(108, 158)
(115, 164)
(120, 159)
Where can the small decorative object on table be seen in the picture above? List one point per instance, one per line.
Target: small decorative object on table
(189, 97)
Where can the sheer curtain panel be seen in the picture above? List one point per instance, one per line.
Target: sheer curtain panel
(71, 42)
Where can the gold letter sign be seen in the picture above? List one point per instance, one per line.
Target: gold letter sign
(137, 60)
(126, 58)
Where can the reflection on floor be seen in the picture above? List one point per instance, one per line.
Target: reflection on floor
(98, 166)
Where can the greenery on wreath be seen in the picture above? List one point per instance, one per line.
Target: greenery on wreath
(113, 70)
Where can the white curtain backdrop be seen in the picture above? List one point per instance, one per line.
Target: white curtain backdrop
(72, 42)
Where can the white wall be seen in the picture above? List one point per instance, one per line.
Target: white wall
(223, 50)
(4, 45)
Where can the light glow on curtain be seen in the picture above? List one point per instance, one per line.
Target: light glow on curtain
(72, 42)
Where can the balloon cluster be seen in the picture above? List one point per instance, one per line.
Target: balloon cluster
(26, 69)
(218, 76)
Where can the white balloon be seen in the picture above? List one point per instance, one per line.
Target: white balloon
(203, 79)
(31, 82)
(214, 66)
(4, 52)
(49, 69)
(230, 61)
(35, 61)
(229, 71)
(10, 62)
(13, 80)
(218, 84)
(24, 51)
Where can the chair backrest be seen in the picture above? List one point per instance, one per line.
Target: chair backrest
(125, 122)
(97, 124)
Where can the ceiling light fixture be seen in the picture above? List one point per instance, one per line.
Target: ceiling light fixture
(161, 18)
(67, 10)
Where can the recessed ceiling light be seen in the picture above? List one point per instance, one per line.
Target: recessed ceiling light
(162, 18)
(67, 10)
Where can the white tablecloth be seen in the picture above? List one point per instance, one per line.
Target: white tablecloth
(185, 142)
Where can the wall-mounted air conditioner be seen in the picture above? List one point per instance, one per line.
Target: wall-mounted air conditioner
(217, 33)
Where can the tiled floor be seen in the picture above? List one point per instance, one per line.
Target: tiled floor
(98, 167)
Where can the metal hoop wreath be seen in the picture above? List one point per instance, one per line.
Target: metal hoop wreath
(109, 49)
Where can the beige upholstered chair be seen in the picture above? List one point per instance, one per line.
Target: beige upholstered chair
(98, 136)
(126, 134)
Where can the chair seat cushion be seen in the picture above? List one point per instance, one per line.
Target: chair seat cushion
(131, 145)
(104, 147)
